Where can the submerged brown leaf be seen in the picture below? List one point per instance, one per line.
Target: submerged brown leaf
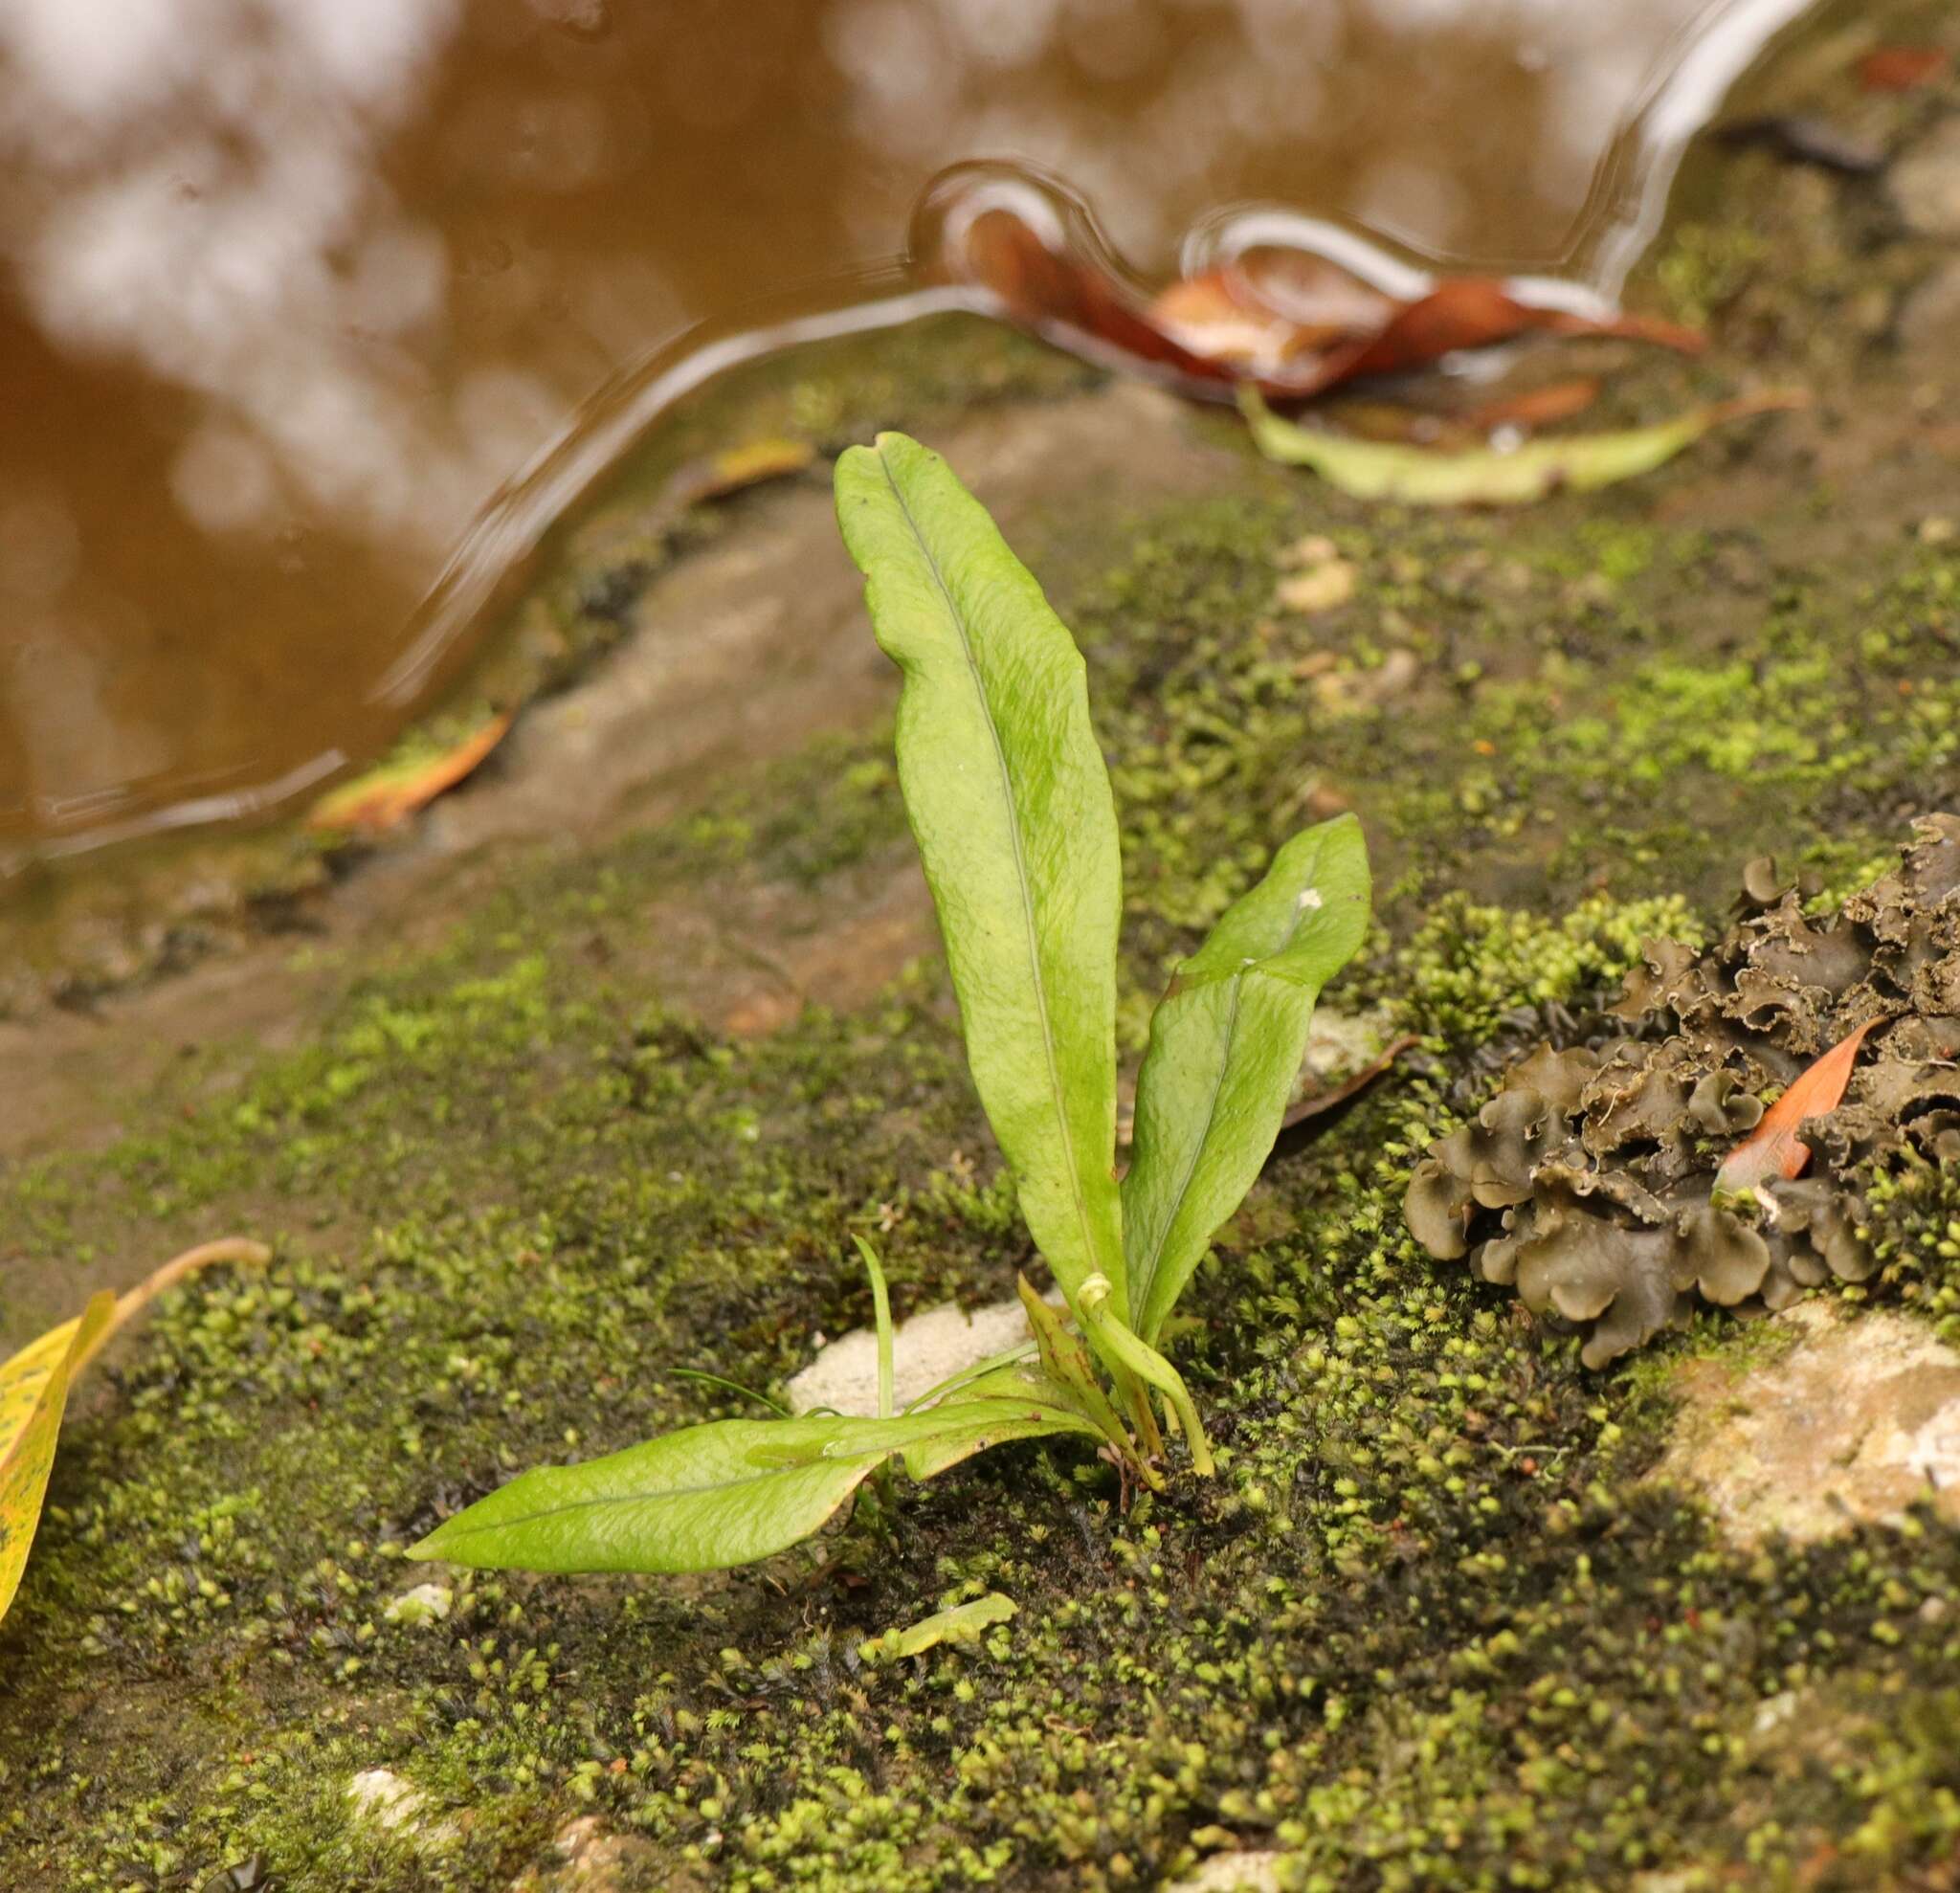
(1293, 325)
(1902, 68)
(1537, 406)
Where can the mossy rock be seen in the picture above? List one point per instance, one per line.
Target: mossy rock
(1434, 1624)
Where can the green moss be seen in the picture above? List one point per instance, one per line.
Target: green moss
(1428, 1627)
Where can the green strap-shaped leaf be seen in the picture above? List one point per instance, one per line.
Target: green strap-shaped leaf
(1149, 1366)
(963, 1624)
(1226, 1042)
(1010, 802)
(1066, 1363)
(1010, 1403)
(724, 1494)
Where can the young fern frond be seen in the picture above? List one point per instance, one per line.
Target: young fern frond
(1009, 803)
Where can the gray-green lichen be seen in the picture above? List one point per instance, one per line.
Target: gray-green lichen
(1592, 1180)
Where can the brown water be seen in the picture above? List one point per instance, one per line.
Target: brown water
(316, 310)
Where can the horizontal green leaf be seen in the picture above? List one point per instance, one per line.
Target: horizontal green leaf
(1010, 802)
(724, 1494)
(1011, 1403)
(1226, 1042)
(963, 1624)
(1487, 476)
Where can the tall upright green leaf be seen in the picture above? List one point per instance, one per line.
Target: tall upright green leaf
(726, 1493)
(1226, 1042)
(1010, 802)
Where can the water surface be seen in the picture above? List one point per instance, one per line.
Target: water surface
(296, 290)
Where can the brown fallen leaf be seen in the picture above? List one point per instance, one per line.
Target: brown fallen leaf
(1294, 326)
(375, 802)
(1537, 406)
(1773, 1148)
(1473, 312)
(1335, 1096)
(1902, 68)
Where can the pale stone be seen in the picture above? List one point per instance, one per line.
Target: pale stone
(1929, 323)
(1858, 1421)
(1251, 1872)
(925, 1349)
(592, 1859)
(382, 1796)
(1926, 181)
(1318, 589)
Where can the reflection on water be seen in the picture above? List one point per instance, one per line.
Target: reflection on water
(295, 289)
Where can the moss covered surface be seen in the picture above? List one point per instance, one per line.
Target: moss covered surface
(1429, 1627)
(1424, 1627)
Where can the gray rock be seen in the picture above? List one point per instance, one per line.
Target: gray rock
(1929, 323)
(1926, 181)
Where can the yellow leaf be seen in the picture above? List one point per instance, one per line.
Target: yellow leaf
(1487, 476)
(34, 1391)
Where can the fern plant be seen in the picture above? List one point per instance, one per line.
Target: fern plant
(1009, 804)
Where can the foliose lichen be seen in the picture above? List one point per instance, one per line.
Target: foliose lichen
(1590, 1182)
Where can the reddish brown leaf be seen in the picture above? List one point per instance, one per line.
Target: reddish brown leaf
(380, 799)
(1900, 68)
(1773, 1148)
(1337, 1095)
(1294, 328)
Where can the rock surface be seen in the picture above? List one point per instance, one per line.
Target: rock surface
(1926, 181)
(929, 1348)
(1854, 1422)
(537, 1121)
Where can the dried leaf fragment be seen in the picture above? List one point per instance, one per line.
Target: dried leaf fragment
(1773, 1147)
(736, 468)
(1902, 68)
(383, 797)
(1294, 323)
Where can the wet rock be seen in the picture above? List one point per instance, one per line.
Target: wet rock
(1926, 181)
(1587, 1182)
(1854, 1423)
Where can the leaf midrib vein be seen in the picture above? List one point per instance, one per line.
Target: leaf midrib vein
(1013, 822)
